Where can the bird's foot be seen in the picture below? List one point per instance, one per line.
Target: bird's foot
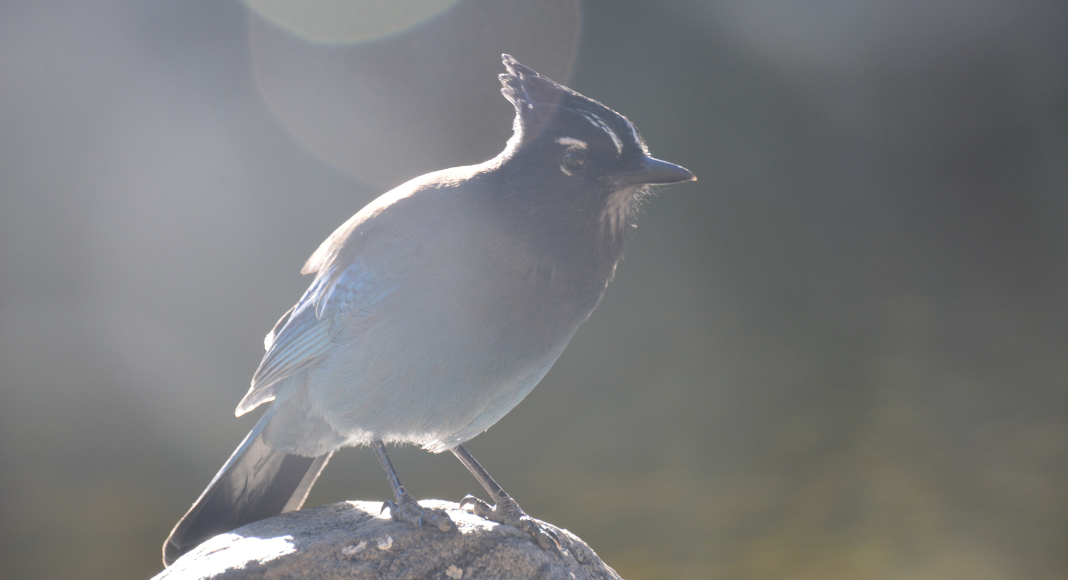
(508, 512)
(409, 510)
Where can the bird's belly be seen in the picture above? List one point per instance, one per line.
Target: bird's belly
(438, 374)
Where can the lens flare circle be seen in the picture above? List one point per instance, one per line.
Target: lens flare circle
(423, 99)
(346, 21)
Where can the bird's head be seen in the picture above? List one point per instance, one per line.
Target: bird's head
(574, 157)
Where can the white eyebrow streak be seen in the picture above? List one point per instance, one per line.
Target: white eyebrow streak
(600, 124)
(572, 142)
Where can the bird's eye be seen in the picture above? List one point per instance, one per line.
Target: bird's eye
(574, 161)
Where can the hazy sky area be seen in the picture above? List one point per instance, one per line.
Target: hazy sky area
(842, 353)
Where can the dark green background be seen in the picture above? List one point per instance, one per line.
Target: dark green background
(842, 353)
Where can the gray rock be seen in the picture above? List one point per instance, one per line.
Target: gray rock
(352, 540)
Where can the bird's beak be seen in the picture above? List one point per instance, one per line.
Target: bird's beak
(653, 171)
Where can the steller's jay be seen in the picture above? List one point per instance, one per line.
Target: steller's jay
(437, 308)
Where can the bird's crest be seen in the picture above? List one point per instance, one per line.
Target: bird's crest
(526, 88)
(537, 99)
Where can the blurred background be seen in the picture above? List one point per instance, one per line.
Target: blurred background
(843, 353)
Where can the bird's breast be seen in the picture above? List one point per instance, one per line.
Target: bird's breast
(467, 331)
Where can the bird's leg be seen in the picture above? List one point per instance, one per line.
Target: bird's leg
(507, 511)
(406, 509)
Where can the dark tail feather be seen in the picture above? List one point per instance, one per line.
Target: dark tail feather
(257, 482)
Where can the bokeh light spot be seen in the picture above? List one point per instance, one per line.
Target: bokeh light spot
(421, 100)
(346, 21)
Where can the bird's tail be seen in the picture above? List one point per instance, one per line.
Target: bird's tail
(257, 482)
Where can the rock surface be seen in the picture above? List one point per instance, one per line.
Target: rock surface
(352, 540)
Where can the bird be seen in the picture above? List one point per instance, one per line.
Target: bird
(436, 309)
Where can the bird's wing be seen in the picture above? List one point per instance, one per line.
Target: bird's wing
(336, 297)
(348, 285)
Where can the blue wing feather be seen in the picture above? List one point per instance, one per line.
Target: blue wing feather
(307, 332)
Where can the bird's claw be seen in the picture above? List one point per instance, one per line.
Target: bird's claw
(410, 511)
(508, 512)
